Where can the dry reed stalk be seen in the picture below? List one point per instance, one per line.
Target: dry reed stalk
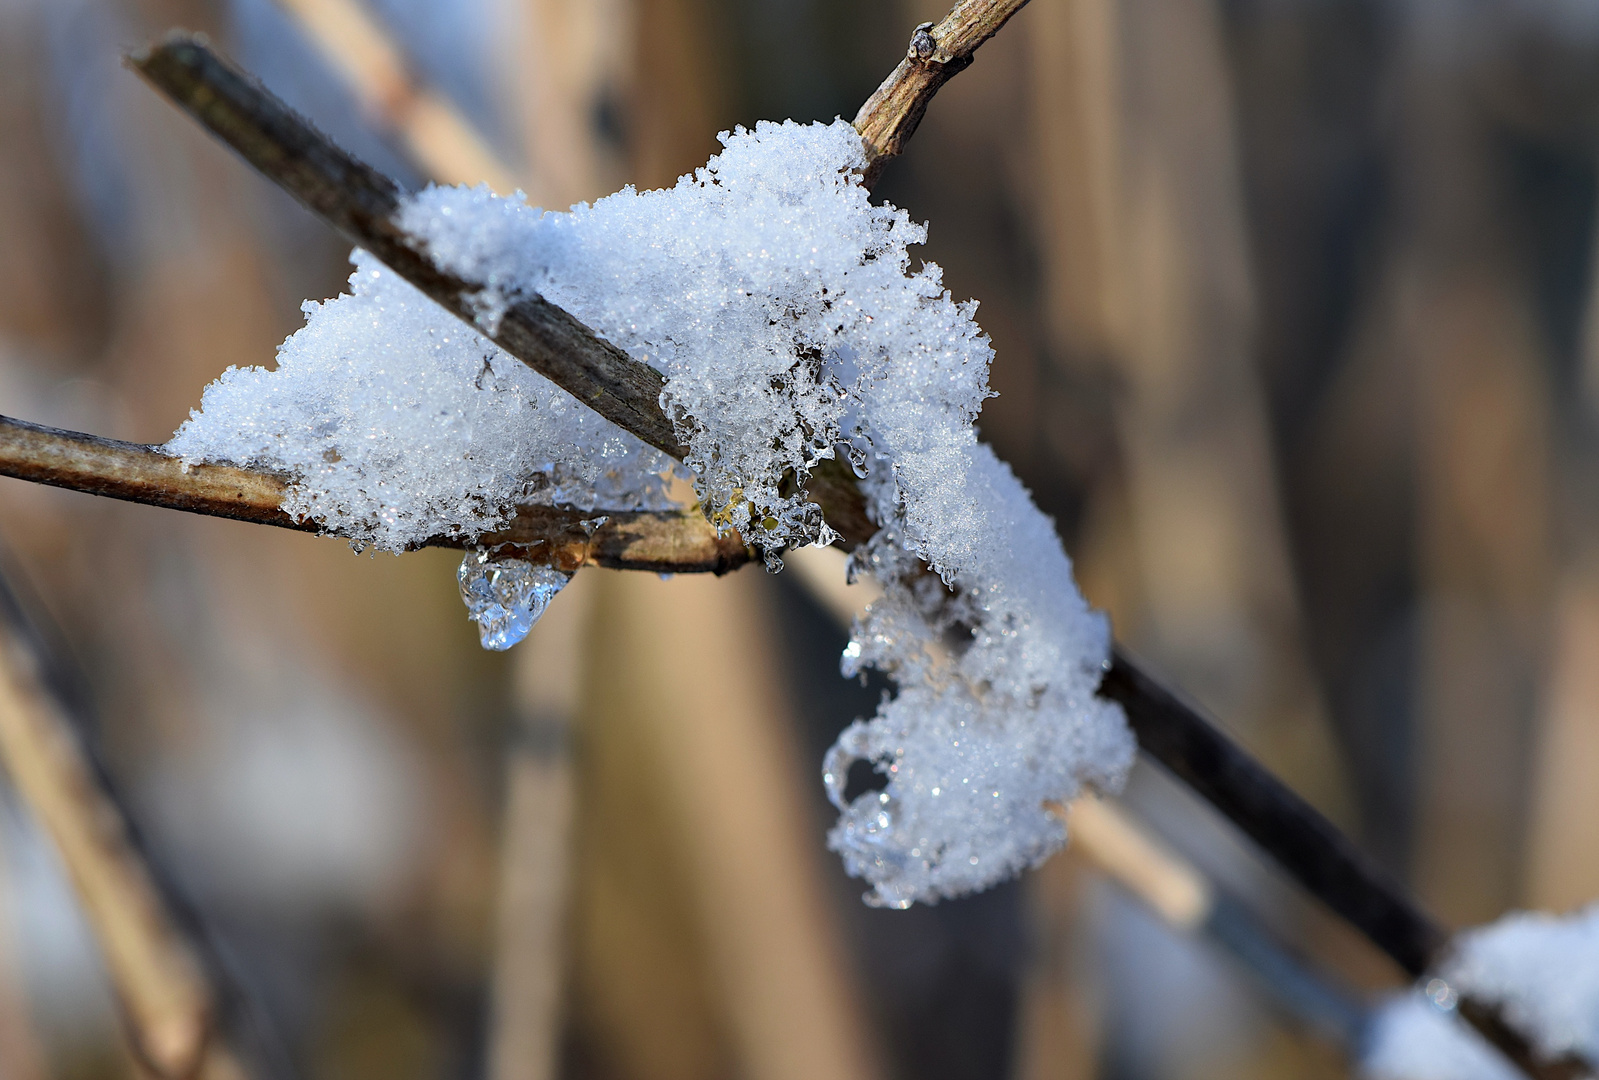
(20, 1046)
(710, 720)
(1562, 871)
(167, 1005)
(429, 129)
(535, 856)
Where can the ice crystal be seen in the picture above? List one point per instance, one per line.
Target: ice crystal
(506, 597)
(783, 309)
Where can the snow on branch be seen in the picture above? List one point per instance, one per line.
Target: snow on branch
(363, 204)
(667, 542)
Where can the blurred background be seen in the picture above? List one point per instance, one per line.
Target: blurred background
(1293, 304)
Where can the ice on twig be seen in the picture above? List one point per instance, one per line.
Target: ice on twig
(784, 311)
(505, 597)
(1542, 970)
(1411, 1038)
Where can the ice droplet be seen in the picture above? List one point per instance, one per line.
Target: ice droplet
(505, 597)
(857, 462)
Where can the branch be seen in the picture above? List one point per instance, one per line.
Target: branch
(1302, 841)
(668, 542)
(937, 53)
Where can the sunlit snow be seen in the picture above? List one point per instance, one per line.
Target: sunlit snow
(783, 308)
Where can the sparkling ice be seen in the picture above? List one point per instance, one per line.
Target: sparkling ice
(505, 597)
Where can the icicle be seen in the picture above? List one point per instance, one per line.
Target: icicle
(506, 597)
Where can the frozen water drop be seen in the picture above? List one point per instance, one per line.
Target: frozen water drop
(857, 462)
(505, 597)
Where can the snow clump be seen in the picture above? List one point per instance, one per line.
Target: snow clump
(398, 423)
(781, 307)
(1410, 1038)
(1542, 970)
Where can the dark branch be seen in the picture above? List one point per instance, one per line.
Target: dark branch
(1301, 840)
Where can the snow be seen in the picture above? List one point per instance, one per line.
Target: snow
(783, 309)
(1543, 970)
(397, 423)
(1540, 970)
(1411, 1038)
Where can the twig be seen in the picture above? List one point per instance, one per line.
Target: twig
(122, 470)
(1301, 840)
(361, 203)
(937, 53)
(667, 542)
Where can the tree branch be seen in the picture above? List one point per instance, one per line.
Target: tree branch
(937, 53)
(665, 542)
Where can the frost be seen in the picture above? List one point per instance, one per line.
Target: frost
(397, 423)
(1543, 970)
(1410, 1038)
(506, 597)
(784, 311)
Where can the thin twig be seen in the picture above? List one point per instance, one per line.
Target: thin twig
(1303, 842)
(937, 53)
(129, 471)
(665, 542)
(361, 203)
